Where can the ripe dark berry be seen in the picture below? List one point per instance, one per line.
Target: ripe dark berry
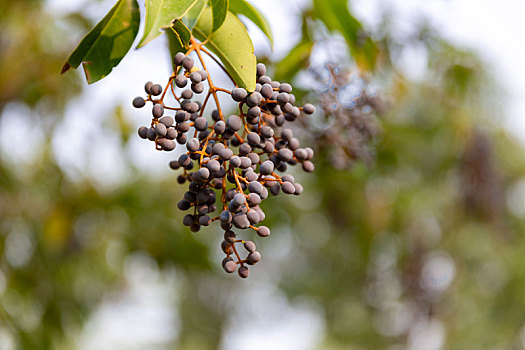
(254, 199)
(197, 88)
(244, 272)
(193, 145)
(181, 138)
(254, 99)
(309, 108)
(261, 69)
(201, 124)
(250, 246)
(308, 166)
(203, 173)
(160, 130)
(213, 165)
(288, 187)
(177, 59)
(264, 80)
(226, 154)
(143, 132)
(283, 98)
(147, 87)
(239, 94)
(157, 110)
(139, 102)
(187, 63)
(229, 266)
(266, 91)
(266, 167)
(285, 87)
(254, 257)
(204, 220)
(234, 122)
(293, 144)
(183, 127)
(253, 112)
(156, 90)
(167, 145)
(286, 134)
(181, 81)
(263, 231)
(226, 216)
(187, 94)
(167, 121)
(171, 134)
(253, 217)
(151, 135)
(235, 161)
(285, 154)
(255, 187)
(229, 236)
(253, 139)
(204, 75)
(219, 127)
(195, 77)
(298, 189)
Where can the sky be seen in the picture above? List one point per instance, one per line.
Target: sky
(493, 29)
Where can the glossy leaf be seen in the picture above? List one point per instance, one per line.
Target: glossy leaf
(232, 45)
(242, 7)
(160, 13)
(182, 31)
(108, 42)
(191, 18)
(219, 10)
(336, 17)
(178, 38)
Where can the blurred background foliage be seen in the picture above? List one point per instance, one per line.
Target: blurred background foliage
(409, 232)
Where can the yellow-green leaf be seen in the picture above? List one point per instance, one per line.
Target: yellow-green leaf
(242, 7)
(232, 45)
(178, 38)
(191, 18)
(160, 13)
(220, 10)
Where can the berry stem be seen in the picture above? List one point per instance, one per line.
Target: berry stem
(206, 145)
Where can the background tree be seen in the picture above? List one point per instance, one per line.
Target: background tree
(405, 233)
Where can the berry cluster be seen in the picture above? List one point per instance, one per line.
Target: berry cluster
(350, 110)
(234, 159)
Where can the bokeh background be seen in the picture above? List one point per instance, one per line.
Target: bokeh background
(409, 235)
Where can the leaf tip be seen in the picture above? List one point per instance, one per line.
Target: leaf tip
(141, 44)
(65, 68)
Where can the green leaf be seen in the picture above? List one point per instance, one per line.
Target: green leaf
(232, 44)
(160, 13)
(219, 9)
(336, 17)
(107, 43)
(296, 60)
(242, 7)
(191, 18)
(182, 31)
(178, 38)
